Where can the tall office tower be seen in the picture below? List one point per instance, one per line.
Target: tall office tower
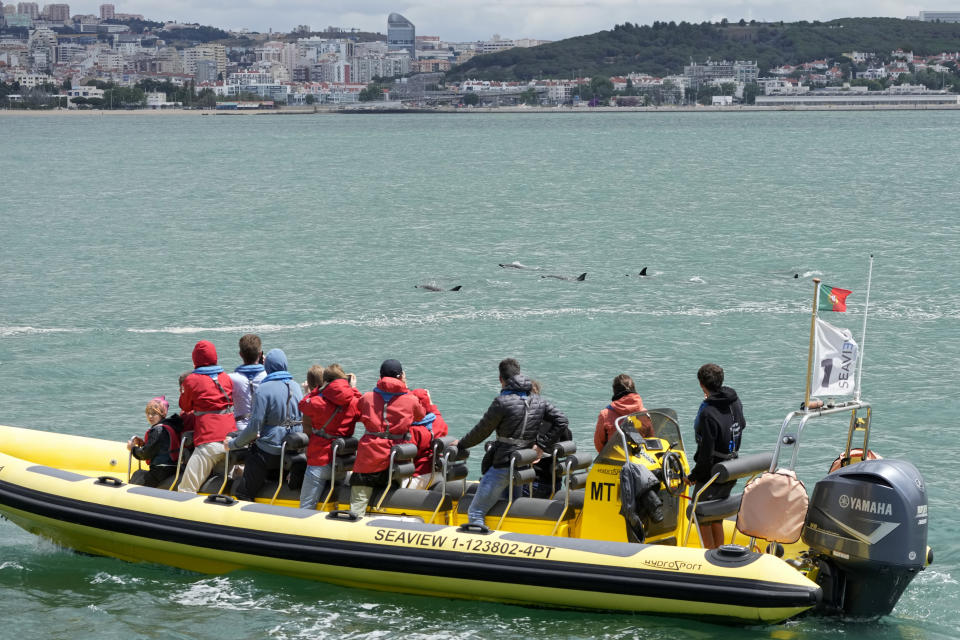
(107, 12)
(401, 35)
(57, 12)
(28, 9)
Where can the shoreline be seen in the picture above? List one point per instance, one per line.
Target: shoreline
(368, 110)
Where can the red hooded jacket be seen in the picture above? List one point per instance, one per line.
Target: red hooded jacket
(606, 427)
(211, 407)
(402, 409)
(333, 411)
(422, 436)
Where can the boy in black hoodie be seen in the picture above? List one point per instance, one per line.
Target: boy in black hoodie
(718, 426)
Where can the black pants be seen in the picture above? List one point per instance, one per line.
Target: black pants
(152, 477)
(259, 463)
(544, 485)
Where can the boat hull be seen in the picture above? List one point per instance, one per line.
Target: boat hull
(141, 524)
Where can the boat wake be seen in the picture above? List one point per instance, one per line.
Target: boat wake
(9, 332)
(108, 578)
(380, 321)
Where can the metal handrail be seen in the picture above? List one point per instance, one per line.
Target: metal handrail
(386, 489)
(510, 496)
(333, 473)
(183, 442)
(130, 465)
(283, 452)
(444, 462)
(793, 439)
(692, 520)
(567, 470)
(226, 469)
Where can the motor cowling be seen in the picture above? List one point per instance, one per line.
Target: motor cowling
(867, 526)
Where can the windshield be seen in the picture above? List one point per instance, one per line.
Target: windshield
(656, 423)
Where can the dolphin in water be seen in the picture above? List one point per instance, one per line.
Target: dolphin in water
(433, 287)
(580, 278)
(515, 265)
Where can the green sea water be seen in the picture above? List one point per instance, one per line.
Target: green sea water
(124, 240)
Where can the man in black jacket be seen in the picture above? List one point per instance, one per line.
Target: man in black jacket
(718, 426)
(522, 419)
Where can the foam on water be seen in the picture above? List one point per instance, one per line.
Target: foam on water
(9, 332)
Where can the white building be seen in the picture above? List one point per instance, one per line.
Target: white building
(33, 80)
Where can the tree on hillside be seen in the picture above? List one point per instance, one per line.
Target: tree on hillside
(664, 48)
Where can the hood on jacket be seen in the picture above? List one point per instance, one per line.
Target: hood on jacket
(518, 382)
(630, 403)
(276, 360)
(722, 399)
(339, 392)
(204, 354)
(391, 385)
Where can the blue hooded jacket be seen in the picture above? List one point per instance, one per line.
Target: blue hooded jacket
(274, 407)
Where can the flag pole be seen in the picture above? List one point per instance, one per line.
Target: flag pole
(813, 326)
(863, 335)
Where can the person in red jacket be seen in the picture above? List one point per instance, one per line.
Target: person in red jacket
(387, 413)
(329, 412)
(626, 400)
(422, 433)
(208, 393)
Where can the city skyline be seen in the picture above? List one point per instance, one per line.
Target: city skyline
(479, 20)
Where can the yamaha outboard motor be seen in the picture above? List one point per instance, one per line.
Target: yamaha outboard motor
(868, 524)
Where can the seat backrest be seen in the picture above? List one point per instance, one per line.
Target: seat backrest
(774, 507)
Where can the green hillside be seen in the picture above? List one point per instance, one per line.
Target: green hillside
(663, 48)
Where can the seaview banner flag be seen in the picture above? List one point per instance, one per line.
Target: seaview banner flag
(835, 361)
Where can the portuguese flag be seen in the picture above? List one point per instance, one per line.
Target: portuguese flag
(832, 298)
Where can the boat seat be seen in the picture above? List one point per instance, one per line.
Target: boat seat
(454, 490)
(213, 483)
(525, 508)
(401, 499)
(715, 510)
(577, 498)
(138, 475)
(270, 487)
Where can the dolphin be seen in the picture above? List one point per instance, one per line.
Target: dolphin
(643, 271)
(432, 287)
(515, 265)
(580, 278)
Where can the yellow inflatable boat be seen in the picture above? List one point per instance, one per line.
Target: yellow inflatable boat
(574, 550)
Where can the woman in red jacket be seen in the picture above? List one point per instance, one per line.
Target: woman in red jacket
(208, 393)
(329, 412)
(422, 432)
(387, 413)
(625, 401)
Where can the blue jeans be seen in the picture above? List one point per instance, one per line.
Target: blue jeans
(315, 486)
(493, 487)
